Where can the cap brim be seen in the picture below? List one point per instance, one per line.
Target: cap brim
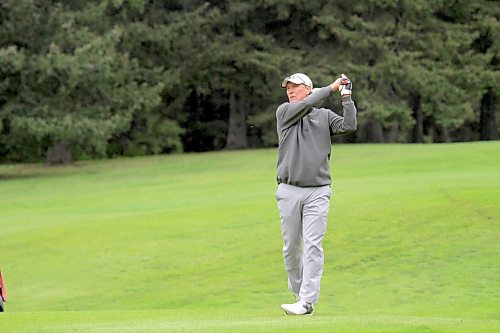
(288, 79)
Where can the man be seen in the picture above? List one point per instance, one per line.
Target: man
(304, 183)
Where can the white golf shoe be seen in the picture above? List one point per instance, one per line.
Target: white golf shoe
(299, 308)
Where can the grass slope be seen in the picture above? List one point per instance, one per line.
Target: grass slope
(192, 243)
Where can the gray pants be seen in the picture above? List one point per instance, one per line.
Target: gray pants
(303, 212)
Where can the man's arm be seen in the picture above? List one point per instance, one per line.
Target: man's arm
(290, 113)
(346, 124)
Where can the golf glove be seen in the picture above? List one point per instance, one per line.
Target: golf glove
(345, 87)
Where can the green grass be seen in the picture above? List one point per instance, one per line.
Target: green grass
(191, 243)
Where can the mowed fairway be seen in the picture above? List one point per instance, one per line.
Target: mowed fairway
(191, 243)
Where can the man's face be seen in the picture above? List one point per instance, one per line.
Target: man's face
(296, 92)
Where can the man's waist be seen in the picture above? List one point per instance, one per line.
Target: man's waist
(305, 182)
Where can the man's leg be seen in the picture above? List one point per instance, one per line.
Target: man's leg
(314, 227)
(290, 208)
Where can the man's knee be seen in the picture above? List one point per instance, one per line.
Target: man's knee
(313, 253)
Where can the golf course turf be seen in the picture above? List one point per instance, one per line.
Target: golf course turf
(192, 243)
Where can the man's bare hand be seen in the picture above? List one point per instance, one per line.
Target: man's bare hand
(335, 85)
(342, 84)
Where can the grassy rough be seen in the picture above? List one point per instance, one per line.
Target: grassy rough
(192, 243)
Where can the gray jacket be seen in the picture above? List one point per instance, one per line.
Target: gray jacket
(304, 138)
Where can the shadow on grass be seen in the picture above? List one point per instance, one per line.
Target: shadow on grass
(6, 177)
(29, 171)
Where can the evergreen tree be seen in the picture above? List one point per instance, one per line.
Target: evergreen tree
(135, 77)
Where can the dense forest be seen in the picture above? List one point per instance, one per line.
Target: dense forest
(91, 79)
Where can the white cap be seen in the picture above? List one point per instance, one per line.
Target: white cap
(297, 78)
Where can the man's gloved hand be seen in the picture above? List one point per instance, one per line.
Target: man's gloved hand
(345, 87)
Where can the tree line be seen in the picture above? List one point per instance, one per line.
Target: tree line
(90, 79)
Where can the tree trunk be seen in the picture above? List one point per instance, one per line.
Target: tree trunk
(237, 128)
(441, 134)
(465, 133)
(391, 134)
(374, 132)
(59, 153)
(487, 119)
(417, 134)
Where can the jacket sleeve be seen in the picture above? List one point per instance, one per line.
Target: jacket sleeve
(346, 124)
(290, 113)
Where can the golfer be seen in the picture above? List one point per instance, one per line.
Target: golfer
(304, 183)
